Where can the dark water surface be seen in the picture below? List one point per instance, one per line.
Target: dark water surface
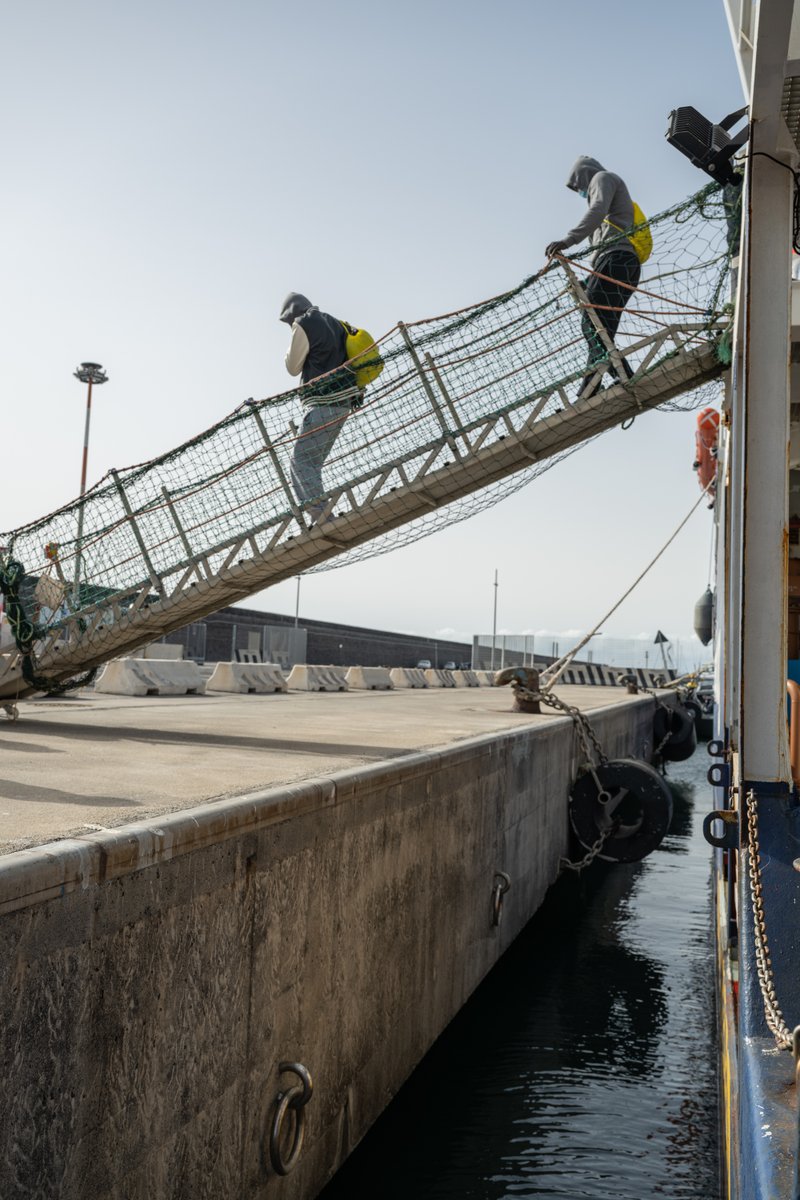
(584, 1066)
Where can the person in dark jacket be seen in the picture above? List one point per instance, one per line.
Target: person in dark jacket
(315, 352)
(609, 214)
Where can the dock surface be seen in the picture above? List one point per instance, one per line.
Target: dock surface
(90, 762)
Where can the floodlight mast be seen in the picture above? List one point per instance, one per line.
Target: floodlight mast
(92, 374)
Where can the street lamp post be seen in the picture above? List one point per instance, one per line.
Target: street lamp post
(92, 374)
(494, 622)
(297, 603)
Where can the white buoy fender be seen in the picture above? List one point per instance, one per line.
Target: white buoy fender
(704, 616)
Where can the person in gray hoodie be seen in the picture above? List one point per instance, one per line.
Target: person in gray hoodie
(316, 352)
(609, 214)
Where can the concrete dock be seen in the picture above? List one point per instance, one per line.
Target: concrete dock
(85, 761)
(246, 882)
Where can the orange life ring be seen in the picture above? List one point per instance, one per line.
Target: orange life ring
(705, 439)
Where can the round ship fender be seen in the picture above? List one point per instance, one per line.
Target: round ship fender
(634, 808)
(695, 711)
(681, 727)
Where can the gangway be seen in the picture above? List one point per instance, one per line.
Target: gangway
(466, 403)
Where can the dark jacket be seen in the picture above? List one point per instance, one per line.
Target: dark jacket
(326, 348)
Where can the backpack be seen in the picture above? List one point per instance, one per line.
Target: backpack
(639, 234)
(363, 356)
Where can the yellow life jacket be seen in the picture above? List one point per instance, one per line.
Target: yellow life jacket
(638, 235)
(363, 356)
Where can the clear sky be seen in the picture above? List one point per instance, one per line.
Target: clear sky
(173, 167)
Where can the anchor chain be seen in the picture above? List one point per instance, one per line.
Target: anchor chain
(766, 980)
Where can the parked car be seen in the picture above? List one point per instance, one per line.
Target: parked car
(465, 666)
(424, 664)
(450, 666)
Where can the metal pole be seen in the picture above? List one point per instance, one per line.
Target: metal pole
(140, 542)
(297, 603)
(79, 540)
(494, 622)
(86, 436)
(88, 373)
(435, 405)
(609, 345)
(177, 522)
(279, 471)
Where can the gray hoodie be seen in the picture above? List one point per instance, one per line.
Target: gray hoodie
(609, 202)
(294, 306)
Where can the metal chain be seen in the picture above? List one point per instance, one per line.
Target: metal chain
(659, 704)
(583, 725)
(589, 740)
(772, 1011)
(566, 864)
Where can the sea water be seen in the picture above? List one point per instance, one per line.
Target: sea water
(585, 1065)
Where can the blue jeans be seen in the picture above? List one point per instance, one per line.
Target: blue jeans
(322, 424)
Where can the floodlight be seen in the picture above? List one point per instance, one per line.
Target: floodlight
(710, 147)
(90, 372)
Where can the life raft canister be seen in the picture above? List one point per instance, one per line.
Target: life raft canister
(681, 727)
(705, 440)
(634, 808)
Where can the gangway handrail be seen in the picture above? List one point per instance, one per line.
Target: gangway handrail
(467, 403)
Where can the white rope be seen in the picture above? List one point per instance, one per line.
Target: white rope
(554, 672)
(674, 683)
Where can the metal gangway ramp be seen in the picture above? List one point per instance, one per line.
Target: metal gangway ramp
(468, 407)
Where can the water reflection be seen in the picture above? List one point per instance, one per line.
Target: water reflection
(584, 1066)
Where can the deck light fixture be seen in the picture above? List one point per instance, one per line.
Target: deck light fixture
(710, 147)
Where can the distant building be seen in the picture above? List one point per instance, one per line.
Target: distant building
(273, 636)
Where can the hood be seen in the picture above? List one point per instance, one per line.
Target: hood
(294, 306)
(582, 173)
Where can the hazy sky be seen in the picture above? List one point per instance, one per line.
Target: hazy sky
(172, 169)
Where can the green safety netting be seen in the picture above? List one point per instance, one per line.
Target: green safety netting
(148, 521)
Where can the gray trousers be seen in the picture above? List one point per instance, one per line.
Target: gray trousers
(322, 424)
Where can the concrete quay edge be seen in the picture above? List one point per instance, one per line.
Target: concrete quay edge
(44, 872)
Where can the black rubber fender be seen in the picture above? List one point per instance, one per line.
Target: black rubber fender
(639, 798)
(681, 725)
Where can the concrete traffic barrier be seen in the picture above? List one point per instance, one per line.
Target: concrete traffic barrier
(369, 678)
(158, 650)
(408, 677)
(151, 677)
(247, 677)
(465, 679)
(485, 678)
(312, 678)
(437, 678)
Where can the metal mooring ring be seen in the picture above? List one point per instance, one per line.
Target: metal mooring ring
(294, 1100)
(501, 886)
